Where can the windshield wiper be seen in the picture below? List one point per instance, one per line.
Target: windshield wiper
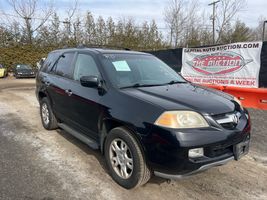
(136, 85)
(173, 82)
(131, 86)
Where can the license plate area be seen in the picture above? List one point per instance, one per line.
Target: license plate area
(241, 149)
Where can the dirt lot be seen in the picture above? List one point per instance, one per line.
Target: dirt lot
(38, 164)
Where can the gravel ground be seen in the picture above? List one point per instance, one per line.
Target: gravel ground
(40, 164)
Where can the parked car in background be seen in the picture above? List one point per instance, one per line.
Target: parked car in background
(24, 71)
(144, 117)
(3, 71)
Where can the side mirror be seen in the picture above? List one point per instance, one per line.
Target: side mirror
(89, 81)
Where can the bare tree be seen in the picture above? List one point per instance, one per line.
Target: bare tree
(175, 19)
(89, 28)
(77, 31)
(193, 23)
(257, 31)
(55, 29)
(180, 16)
(70, 12)
(34, 13)
(226, 12)
(100, 31)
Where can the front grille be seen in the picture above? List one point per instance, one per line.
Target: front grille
(228, 120)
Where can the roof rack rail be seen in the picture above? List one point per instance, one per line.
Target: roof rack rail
(103, 46)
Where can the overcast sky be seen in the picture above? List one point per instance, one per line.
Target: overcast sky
(142, 10)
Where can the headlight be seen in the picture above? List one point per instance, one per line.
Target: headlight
(181, 119)
(239, 102)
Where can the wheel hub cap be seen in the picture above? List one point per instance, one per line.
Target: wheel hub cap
(121, 158)
(45, 113)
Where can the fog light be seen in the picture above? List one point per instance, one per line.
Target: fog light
(195, 153)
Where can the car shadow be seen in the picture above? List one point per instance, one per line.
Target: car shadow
(98, 155)
(85, 148)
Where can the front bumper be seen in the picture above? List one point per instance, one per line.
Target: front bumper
(239, 150)
(201, 169)
(25, 75)
(167, 150)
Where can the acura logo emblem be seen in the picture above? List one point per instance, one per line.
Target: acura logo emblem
(230, 118)
(235, 118)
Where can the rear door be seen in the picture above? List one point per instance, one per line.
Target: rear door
(59, 79)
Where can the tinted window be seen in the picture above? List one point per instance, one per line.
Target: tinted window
(85, 66)
(64, 65)
(49, 61)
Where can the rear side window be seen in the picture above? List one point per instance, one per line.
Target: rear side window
(49, 61)
(64, 66)
(85, 66)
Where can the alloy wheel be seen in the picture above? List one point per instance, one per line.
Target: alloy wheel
(45, 113)
(121, 158)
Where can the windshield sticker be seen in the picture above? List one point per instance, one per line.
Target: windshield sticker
(121, 66)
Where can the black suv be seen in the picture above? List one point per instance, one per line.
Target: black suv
(144, 117)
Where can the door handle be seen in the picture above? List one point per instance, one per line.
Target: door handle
(69, 92)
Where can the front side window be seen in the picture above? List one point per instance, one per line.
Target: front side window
(64, 65)
(126, 70)
(85, 66)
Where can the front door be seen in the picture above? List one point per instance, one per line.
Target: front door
(84, 101)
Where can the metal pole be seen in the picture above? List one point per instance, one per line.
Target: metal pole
(263, 31)
(213, 20)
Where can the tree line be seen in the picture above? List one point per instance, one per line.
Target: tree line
(36, 22)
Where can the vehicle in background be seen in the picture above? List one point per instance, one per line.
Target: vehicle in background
(3, 71)
(24, 71)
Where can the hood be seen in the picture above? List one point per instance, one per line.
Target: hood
(185, 97)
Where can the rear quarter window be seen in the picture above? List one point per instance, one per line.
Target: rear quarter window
(49, 61)
(64, 65)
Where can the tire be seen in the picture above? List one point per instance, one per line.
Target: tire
(48, 118)
(140, 173)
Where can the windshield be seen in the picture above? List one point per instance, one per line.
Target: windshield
(23, 67)
(1, 66)
(125, 70)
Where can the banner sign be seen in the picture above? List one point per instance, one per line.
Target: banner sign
(236, 64)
